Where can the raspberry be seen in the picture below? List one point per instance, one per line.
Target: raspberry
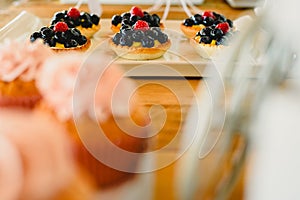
(60, 27)
(141, 25)
(136, 11)
(73, 13)
(224, 27)
(208, 14)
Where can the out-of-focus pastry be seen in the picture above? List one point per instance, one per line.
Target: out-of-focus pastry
(91, 100)
(20, 62)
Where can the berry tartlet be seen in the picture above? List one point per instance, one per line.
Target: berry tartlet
(140, 42)
(195, 23)
(131, 17)
(87, 24)
(211, 39)
(62, 38)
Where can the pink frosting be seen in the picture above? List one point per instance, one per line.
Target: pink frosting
(73, 85)
(21, 59)
(45, 150)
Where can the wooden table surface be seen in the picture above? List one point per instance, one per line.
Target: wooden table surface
(153, 91)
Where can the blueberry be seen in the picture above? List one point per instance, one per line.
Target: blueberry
(126, 22)
(126, 15)
(86, 24)
(133, 19)
(59, 15)
(230, 23)
(208, 21)
(197, 19)
(222, 18)
(222, 41)
(125, 27)
(216, 33)
(205, 31)
(47, 33)
(127, 32)
(138, 35)
(156, 18)
(82, 40)
(35, 36)
(152, 33)
(95, 19)
(71, 24)
(125, 41)
(116, 38)
(148, 18)
(116, 19)
(51, 42)
(148, 42)
(162, 38)
(205, 40)
(60, 37)
(188, 22)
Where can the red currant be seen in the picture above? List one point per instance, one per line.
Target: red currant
(74, 13)
(141, 25)
(60, 27)
(136, 11)
(224, 27)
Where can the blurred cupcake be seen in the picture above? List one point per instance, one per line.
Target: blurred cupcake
(97, 105)
(36, 159)
(20, 62)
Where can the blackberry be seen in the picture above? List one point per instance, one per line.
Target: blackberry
(116, 19)
(188, 22)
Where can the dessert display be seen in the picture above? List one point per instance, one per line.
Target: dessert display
(65, 92)
(211, 39)
(195, 23)
(140, 42)
(131, 17)
(88, 24)
(60, 37)
(20, 62)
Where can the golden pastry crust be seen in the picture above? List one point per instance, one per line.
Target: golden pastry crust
(191, 31)
(89, 32)
(81, 48)
(140, 53)
(205, 50)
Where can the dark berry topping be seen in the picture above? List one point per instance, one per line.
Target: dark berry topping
(188, 22)
(148, 42)
(208, 21)
(73, 18)
(71, 37)
(116, 19)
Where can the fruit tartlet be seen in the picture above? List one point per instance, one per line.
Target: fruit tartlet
(140, 42)
(96, 103)
(87, 24)
(212, 39)
(195, 23)
(62, 38)
(131, 17)
(20, 62)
